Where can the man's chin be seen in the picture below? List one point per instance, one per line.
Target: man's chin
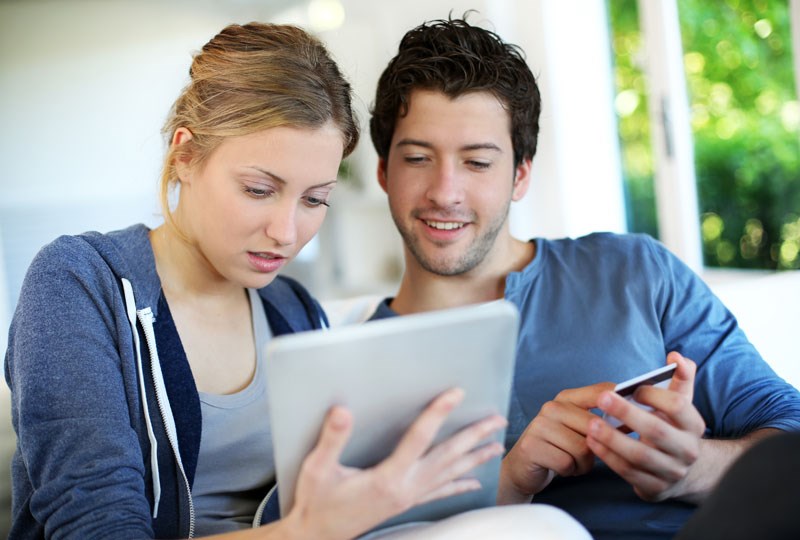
(444, 266)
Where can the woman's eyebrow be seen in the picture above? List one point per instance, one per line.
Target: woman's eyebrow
(267, 173)
(284, 182)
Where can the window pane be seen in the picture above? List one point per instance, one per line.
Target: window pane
(745, 116)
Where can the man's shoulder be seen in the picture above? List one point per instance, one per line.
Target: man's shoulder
(606, 242)
(598, 257)
(607, 250)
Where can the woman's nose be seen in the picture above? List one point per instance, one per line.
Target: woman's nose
(282, 224)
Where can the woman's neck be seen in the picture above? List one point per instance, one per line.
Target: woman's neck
(184, 271)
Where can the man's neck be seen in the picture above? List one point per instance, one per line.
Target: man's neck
(421, 290)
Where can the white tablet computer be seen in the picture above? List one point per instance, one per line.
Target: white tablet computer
(386, 372)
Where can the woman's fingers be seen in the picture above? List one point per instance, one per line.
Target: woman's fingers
(335, 433)
(466, 450)
(419, 436)
(456, 487)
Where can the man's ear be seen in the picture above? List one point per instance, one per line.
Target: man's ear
(522, 179)
(382, 173)
(182, 161)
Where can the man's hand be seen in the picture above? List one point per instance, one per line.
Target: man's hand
(658, 464)
(553, 443)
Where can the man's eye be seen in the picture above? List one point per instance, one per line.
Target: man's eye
(414, 160)
(479, 164)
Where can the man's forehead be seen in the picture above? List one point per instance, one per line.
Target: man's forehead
(425, 95)
(472, 121)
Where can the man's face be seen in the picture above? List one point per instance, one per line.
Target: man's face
(450, 178)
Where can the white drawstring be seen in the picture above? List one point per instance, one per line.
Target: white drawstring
(130, 306)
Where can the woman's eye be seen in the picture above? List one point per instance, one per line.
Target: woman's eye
(258, 192)
(314, 202)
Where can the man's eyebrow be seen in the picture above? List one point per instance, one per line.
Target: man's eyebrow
(482, 146)
(474, 146)
(413, 142)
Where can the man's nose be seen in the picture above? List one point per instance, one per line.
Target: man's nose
(446, 186)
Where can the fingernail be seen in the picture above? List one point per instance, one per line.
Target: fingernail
(456, 395)
(605, 401)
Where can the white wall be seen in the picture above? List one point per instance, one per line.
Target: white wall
(86, 86)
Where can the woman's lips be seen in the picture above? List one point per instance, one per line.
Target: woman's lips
(265, 261)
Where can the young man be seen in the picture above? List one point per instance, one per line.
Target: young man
(455, 125)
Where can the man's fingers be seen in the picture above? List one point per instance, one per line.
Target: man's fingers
(648, 486)
(674, 407)
(683, 378)
(641, 465)
(584, 397)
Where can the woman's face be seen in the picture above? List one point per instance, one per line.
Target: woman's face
(258, 199)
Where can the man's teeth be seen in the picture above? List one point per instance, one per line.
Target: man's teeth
(444, 225)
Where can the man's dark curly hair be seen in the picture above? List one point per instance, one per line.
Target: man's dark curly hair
(454, 57)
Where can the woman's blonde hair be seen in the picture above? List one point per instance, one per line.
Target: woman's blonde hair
(249, 78)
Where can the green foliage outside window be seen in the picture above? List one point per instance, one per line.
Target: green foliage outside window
(746, 125)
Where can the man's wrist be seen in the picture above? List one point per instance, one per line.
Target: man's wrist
(507, 491)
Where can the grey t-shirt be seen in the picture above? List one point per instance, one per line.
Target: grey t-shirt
(236, 461)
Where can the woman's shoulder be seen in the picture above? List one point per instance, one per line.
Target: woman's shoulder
(92, 259)
(80, 247)
(294, 302)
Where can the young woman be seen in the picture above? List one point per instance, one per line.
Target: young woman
(134, 359)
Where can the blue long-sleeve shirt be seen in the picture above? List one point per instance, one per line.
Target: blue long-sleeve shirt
(608, 308)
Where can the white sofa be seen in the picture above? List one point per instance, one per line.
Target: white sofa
(768, 309)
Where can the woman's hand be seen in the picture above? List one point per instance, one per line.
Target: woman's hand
(335, 501)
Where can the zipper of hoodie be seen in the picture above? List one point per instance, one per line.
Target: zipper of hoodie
(260, 511)
(146, 319)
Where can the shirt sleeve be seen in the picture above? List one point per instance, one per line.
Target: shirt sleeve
(736, 391)
(82, 461)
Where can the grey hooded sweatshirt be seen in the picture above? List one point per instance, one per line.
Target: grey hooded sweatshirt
(93, 458)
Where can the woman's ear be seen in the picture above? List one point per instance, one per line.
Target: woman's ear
(182, 158)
